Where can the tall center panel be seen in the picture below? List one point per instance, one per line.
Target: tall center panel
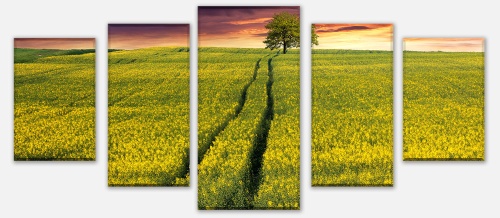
(248, 108)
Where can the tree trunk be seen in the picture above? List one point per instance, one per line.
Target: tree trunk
(284, 48)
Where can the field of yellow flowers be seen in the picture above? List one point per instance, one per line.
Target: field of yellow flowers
(148, 113)
(248, 117)
(443, 105)
(54, 112)
(352, 130)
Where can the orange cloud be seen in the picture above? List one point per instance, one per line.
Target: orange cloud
(237, 26)
(250, 21)
(444, 44)
(355, 36)
(327, 28)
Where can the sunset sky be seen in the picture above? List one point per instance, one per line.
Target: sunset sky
(134, 36)
(55, 43)
(242, 27)
(354, 36)
(444, 44)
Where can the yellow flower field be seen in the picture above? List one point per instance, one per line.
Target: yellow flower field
(148, 117)
(248, 117)
(352, 136)
(443, 115)
(54, 112)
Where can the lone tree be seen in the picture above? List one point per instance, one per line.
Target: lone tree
(314, 36)
(283, 30)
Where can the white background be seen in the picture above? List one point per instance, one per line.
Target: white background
(79, 189)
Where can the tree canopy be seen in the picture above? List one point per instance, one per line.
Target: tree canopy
(314, 36)
(283, 31)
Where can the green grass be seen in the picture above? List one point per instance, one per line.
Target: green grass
(443, 105)
(352, 137)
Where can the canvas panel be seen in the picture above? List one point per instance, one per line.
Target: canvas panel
(54, 99)
(248, 108)
(352, 99)
(443, 99)
(148, 105)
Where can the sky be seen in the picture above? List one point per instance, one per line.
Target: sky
(135, 36)
(355, 36)
(242, 27)
(444, 44)
(55, 43)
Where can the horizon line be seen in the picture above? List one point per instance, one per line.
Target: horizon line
(446, 51)
(129, 49)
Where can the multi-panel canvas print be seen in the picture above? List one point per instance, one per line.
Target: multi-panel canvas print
(54, 99)
(148, 105)
(443, 99)
(352, 115)
(248, 108)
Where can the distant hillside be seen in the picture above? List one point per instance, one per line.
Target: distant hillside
(244, 50)
(149, 55)
(28, 55)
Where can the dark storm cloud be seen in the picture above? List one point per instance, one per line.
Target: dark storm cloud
(260, 34)
(215, 11)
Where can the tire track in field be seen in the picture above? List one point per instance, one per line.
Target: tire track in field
(260, 144)
(241, 103)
